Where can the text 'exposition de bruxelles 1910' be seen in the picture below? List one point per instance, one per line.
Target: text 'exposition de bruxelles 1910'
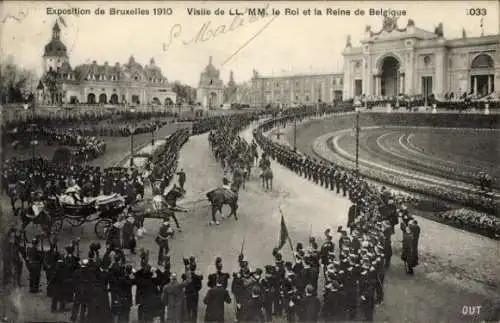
(207, 12)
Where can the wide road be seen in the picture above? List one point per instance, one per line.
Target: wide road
(308, 208)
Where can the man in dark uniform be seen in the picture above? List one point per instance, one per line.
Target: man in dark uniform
(367, 293)
(268, 285)
(55, 287)
(164, 234)
(34, 261)
(351, 293)
(218, 275)
(182, 178)
(192, 289)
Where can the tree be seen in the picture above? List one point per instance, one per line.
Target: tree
(14, 81)
(53, 80)
(185, 93)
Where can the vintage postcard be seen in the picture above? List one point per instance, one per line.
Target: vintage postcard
(250, 161)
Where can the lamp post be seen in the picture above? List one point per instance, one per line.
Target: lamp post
(357, 140)
(132, 131)
(295, 132)
(33, 128)
(153, 135)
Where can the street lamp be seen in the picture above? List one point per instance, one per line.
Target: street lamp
(153, 135)
(357, 140)
(132, 131)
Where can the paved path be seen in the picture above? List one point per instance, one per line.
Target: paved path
(304, 204)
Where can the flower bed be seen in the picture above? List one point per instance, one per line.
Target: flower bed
(475, 200)
(473, 221)
(437, 199)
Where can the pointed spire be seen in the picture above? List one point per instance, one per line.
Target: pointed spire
(210, 60)
(56, 31)
(152, 61)
(231, 76)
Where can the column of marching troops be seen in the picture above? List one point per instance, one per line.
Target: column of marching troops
(100, 288)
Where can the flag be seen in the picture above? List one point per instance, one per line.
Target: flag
(284, 236)
(61, 19)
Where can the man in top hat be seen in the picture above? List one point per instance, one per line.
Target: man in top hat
(34, 259)
(129, 241)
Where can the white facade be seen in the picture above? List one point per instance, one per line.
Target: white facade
(413, 61)
(210, 91)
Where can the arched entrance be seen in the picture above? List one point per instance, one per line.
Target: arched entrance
(168, 101)
(389, 71)
(156, 101)
(135, 99)
(91, 98)
(103, 99)
(113, 99)
(482, 75)
(212, 100)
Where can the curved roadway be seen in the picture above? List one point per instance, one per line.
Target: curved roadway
(455, 271)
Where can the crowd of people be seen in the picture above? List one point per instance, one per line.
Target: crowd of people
(354, 278)
(100, 287)
(22, 178)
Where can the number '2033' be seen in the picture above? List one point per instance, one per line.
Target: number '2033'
(476, 12)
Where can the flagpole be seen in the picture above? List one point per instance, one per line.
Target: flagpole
(288, 235)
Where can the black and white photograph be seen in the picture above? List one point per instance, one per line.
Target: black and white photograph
(250, 161)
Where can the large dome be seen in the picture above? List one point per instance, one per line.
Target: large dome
(55, 48)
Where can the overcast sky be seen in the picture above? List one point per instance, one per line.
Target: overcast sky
(289, 44)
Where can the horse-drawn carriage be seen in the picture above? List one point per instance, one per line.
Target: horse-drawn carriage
(53, 212)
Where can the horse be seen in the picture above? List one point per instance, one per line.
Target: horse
(267, 178)
(218, 198)
(18, 191)
(37, 214)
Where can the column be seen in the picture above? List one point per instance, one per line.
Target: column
(439, 85)
(401, 83)
(489, 84)
(474, 84)
(376, 85)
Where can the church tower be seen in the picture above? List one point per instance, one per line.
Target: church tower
(55, 53)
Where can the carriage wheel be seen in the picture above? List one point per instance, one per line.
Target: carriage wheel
(101, 228)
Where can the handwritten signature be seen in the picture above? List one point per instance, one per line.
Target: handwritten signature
(208, 31)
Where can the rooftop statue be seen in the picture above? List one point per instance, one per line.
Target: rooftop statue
(439, 30)
(390, 23)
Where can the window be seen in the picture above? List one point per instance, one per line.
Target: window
(307, 97)
(483, 61)
(341, 81)
(136, 78)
